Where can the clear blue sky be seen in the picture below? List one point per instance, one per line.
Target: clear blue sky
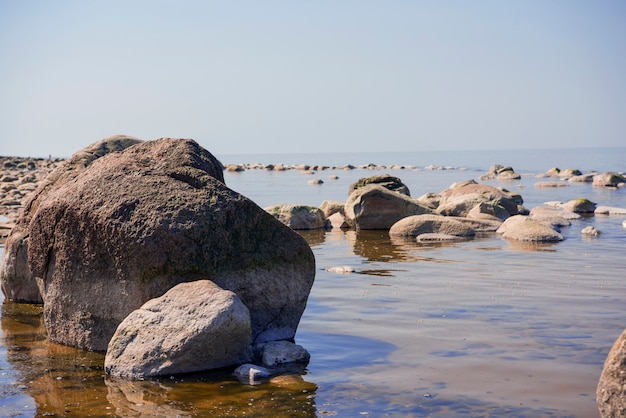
(313, 76)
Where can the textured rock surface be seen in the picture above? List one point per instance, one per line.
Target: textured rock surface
(385, 180)
(608, 179)
(16, 278)
(376, 207)
(276, 353)
(524, 228)
(298, 216)
(581, 205)
(193, 327)
(460, 200)
(136, 223)
(412, 226)
(611, 390)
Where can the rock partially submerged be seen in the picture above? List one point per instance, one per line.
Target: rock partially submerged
(524, 228)
(385, 180)
(501, 172)
(193, 327)
(611, 389)
(376, 207)
(580, 205)
(138, 222)
(415, 225)
(609, 210)
(609, 179)
(298, 216)
(460, 200)
(590, 231)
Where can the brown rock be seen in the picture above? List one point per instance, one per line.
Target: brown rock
(376, 207)
(15, 274)
(136, 223)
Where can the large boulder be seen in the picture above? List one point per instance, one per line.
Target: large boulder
(611, 390)
(376, 207)
(385, 180)
(412, 226)
(16, 278)
(136, 223)
(459, 201)
(524, 228)
(298, 216)
(193, 327)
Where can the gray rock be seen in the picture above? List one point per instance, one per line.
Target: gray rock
(500, 172)
(251, 374)
(415, 225)
(328, 207)
(569, 173)
(609, 210)
(552, 216)
(481, 225)
(277, 353)
(459, 201)
(385, 180)
(194, 327)
(430, 200)
(489, 211)
(590, 231)
(341, 269)
(581, 205)
(136, 223)
(611, 389)
(549, 184)
(553, 172)
(376, 207)
(583, 178)
(524, 228)
(608, 179)
(298, 216)
(338, 221)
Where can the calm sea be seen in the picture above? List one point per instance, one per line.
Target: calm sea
(484, 327)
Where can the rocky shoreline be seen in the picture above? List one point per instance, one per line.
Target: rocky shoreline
(20, 176)
(252, 330)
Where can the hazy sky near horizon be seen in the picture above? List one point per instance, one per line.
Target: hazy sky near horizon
(313, 76)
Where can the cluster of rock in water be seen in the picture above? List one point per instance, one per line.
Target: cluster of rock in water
(139, 249)
(466, 208)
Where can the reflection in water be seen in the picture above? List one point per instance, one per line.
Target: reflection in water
(379, 246)
(314, 237)
(283, 396)
(527, 246)
(485, 327)
(64, 381)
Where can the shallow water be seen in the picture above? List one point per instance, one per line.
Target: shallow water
(484, 327)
